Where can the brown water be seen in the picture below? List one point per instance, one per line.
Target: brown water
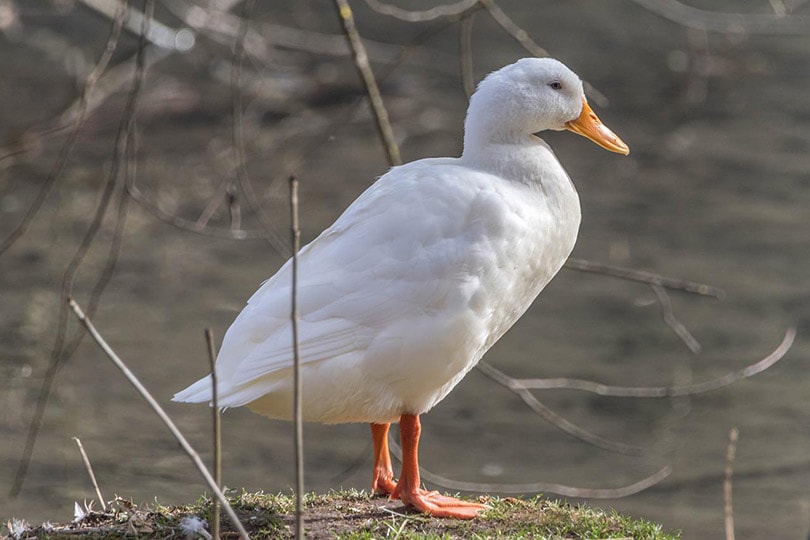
(715, 190)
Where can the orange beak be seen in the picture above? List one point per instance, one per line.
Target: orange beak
(588, 125)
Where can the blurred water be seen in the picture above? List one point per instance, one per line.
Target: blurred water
(714, 190)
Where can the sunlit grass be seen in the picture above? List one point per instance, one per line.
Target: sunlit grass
(357, 515)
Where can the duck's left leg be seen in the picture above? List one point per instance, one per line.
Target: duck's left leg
(409, 489)
(383, 480)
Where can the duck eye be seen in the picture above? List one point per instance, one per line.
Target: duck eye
(556, 85)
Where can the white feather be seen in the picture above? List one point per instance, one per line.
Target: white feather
(421, 275)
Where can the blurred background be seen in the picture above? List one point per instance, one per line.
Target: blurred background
(712, 101)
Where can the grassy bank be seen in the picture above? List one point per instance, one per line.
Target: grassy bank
(350, 515)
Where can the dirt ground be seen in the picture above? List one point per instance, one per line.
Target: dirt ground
(714, 190)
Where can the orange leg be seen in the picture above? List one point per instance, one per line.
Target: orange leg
(409, 490)
(383, 481)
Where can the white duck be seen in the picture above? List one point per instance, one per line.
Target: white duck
(419, 277)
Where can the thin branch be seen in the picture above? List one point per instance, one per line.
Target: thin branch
(295, 234)
(373, 91)
(652, 391)
(555, 419)
(217, 428)
(187, 225)
(57, 353)
(271, 236)
(216, 200)
(91, 473)
(449, 10)
(519, 34)
(531, 46)
(712, 21)
(538, 487)
(195, 457)
(465, 53)
(643, 276)
(670, 320)
(728, 506)
(67, 147)
(160, 35)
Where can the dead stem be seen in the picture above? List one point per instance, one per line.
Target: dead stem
(195, 457)
(295, 234)
(217, 428)
(90, 472)
(728, 507)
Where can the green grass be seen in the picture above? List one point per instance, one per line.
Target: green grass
(356, 515)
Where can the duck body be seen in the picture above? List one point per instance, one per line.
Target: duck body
(419, 277)
(402, 295)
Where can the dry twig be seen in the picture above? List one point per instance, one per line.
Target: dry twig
(449, 10)
(643, 276)
(670, 320)
(217, 428)
(59, 354)
(90, 472)
(647, 391)
(81, 115)
(728, 506)
(367, 75)
(295, 233)
(195, 457)
(713, 21)
(555, 419)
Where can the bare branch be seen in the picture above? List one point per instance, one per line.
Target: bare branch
(654, 391)
(216, 424)
(58, 355)
(186, 224)
(272, 236)
(448, 10)
(670, 320)
(712, 21)
(643, 276)
(367, 75)
(67, 147)
(728, 506)
(295, 234)
(465, 53)
(91, 473)
(538, 487)
(555, 419)
(195, 457)
(159, 34)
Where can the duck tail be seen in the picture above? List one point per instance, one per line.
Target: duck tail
(198, 392)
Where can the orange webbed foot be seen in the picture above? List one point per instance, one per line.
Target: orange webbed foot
(435, 504)
(383, 483)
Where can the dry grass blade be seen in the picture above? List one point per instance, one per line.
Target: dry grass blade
(652, 391)
(195, 457)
